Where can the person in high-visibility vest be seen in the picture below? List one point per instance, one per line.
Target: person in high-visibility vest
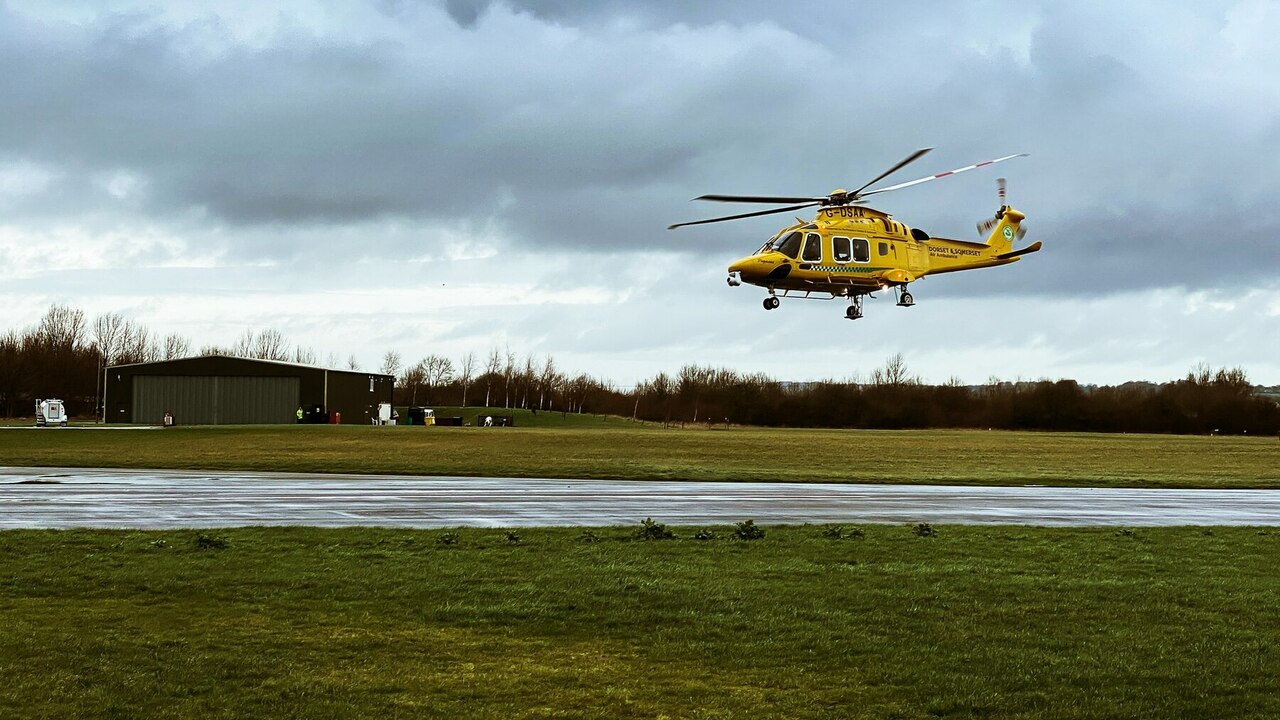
(299, 413)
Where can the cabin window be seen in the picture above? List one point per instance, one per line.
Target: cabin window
(884, 248)
(812, 248)
(861, 250)
(841, 249)
(791, 245)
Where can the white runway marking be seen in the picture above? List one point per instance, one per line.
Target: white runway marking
(66, 498)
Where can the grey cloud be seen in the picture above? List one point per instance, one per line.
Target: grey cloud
(595, 140)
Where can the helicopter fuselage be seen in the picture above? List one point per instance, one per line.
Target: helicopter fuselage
(856, 250)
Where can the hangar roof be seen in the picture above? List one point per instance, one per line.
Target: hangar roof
(207, 363)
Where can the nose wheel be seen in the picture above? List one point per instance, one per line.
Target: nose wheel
(854, 311)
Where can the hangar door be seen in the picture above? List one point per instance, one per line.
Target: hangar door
(215, 400)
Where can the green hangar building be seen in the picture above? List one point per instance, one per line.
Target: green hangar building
(224, 390)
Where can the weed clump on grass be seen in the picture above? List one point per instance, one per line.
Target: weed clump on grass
(209, 542)
(748, 530)
(588, 537)
(705, 534)
(924, 530)
(513, 537)
(650, 530)
(1126, 532)
(449, 538)
(839, 533)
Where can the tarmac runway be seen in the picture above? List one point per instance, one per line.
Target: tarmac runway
(100, 498)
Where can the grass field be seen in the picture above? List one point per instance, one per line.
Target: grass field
(595, 447)
(973, 622)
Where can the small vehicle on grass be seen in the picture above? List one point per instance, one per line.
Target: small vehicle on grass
(51, 412)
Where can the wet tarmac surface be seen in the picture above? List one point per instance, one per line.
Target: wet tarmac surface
(65, 498)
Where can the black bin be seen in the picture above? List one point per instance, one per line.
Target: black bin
(314, 415)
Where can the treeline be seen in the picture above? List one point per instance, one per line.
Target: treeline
(64, 354)
(1205, 401)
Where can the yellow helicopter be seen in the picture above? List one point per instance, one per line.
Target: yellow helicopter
(850, 250)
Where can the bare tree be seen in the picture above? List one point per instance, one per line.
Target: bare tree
(176, 346)
(244, 346)
(390, 363)
(353, 363)
(12, 370)
(411, 381)
(270, 344)
(466, 371)
(62, 328)
(508, 374)
(1200, 374)
(332, 360)
(107, 330)
(576, 391)
(304, 356)
(527, 376)
(491, 367)
(660, 388)
(437, 370)
(547, 379)
(894, 373)
(136, 345)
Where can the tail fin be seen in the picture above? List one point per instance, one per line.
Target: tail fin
(1007, 228)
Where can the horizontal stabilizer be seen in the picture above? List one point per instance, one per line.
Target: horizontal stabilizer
(1033, 247)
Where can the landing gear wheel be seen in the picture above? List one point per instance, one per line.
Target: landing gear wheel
(771, 303)
(854, 311)
(906, 300)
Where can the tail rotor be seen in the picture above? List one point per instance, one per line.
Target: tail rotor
(986, 226)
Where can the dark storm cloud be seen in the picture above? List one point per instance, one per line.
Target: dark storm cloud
(312, 130)
(589, 124)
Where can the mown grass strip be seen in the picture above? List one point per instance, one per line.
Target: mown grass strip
(618, 449)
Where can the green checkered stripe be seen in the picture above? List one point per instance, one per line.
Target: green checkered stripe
(847, 269)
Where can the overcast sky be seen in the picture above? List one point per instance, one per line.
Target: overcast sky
(458, 175)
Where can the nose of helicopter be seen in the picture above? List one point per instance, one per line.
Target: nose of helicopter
(757, 268)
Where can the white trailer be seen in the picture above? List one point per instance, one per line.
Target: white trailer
(50, 412)
(386, 416)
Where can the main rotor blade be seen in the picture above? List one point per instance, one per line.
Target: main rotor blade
(789, 208)
(909, 159)
(757, 199)
(899, 186)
